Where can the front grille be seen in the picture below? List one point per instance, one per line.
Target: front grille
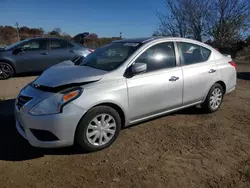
(21, 100)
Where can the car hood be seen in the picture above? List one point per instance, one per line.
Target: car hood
(66, 73)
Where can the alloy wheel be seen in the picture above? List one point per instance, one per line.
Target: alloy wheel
(5, 71)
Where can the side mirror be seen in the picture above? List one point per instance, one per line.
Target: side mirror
(139, 68)
(17, 50)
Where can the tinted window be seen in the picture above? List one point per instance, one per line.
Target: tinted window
(70, 45)
(158, 57)
(18, 44)
(111, 56)
(205, 53)
(35, 45)
(192, 53)
(57, 44)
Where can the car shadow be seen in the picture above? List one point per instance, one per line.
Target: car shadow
(193, 110)
(15, 148)
(243, 75)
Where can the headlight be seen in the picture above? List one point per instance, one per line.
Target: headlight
(55, 103)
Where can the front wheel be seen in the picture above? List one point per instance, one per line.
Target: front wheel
(98, 129)
(6, 71)
(214, 98)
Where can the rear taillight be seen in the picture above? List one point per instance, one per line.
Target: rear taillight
(232, 63)
(91, 50)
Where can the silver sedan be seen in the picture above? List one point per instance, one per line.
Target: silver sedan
(120, 84)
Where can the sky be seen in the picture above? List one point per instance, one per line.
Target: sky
(106, 18)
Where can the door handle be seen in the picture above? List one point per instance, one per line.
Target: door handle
(44, 53)
(212, 71)
(173, 79)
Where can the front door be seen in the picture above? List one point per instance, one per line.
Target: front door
(159, 88)
(33, 57)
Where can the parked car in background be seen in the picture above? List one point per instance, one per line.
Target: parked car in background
(37, 54)
(120, 84)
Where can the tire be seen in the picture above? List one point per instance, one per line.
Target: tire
(210, 105)
(6, 71)
(92, 123)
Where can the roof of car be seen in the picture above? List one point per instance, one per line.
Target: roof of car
(45, 38)
(148, 39)
(136, 40)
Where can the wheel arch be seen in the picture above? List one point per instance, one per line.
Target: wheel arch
(222, 83)
(9, 62)
(112, 105)
(117, 108)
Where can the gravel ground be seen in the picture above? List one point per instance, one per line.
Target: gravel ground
(183, 149)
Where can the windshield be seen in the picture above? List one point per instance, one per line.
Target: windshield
(15, 45)
(111, 56)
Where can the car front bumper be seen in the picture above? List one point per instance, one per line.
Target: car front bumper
(59, 127)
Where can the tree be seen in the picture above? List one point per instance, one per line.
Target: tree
(172, 23)
(196, 14)
(56, 32)
(224, 21)
(230, 22)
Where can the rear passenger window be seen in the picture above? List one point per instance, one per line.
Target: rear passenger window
(70, 45)
(205, 53)
(57, 44)
(158, 57)
(192, 53)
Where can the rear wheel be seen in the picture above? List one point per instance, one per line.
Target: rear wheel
(98, 129)
(6, 71)
(214, 98)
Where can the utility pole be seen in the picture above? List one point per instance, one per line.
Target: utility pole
(120, 35)
(17, 30)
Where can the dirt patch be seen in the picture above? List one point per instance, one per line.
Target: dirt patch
(184, 149)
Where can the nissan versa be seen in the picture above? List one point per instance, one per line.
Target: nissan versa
(122, 83)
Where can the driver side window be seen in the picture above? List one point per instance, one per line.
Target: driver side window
(159, 56)
(35, 45)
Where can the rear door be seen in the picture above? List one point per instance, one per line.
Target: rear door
(199, 71)
(33, 57)
(59, 50)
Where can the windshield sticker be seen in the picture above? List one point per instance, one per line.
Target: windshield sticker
(131, 44)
